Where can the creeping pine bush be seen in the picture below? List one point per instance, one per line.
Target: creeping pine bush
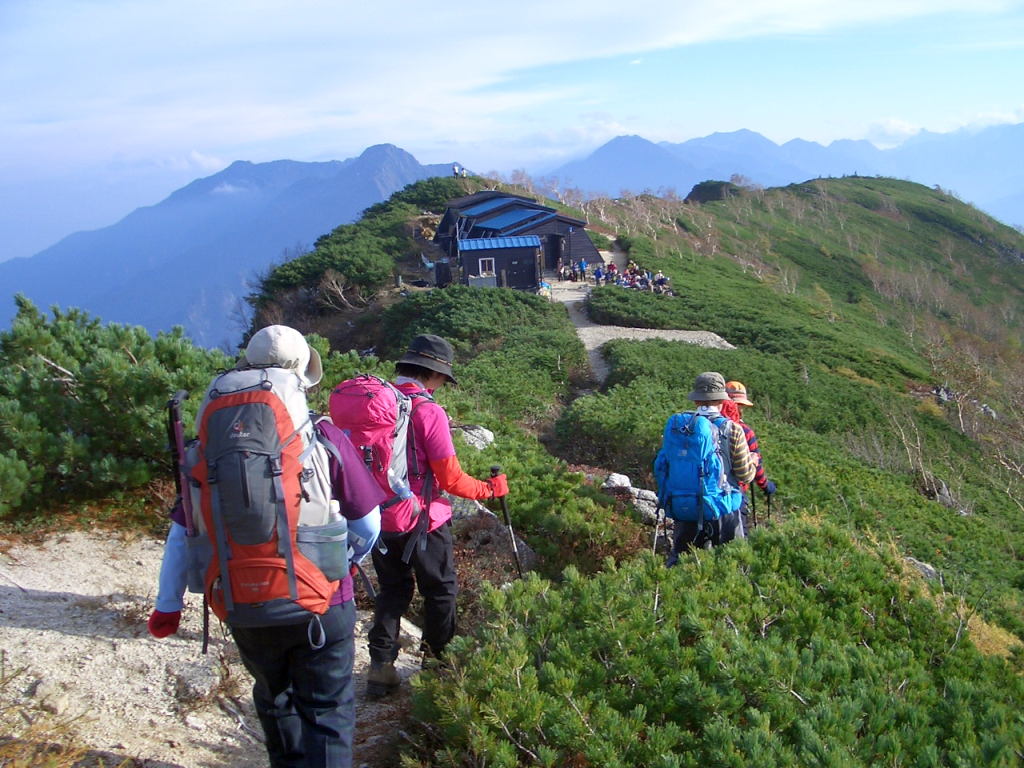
(517, 352)
(82, 405)
(800, 647)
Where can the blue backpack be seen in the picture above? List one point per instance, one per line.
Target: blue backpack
(693, 469)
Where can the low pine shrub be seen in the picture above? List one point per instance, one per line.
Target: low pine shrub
(82, 405)
(799, 648)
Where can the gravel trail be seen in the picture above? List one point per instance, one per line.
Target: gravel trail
(594, 336)
(77, 658)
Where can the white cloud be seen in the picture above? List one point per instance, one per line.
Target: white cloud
(147, 79)
(890, 132)
(994, 117)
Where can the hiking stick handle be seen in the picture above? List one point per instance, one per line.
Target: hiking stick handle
(495, 471)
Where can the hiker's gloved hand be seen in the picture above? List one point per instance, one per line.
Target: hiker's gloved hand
(769, 489)
(499, 486)
(163, 624)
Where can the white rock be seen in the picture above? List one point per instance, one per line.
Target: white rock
(616, 481)
(52, 698)
(194, 680)
(928, 571)
(648, 511)
(477, 436)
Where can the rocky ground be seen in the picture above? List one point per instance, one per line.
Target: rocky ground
(79, 667)
(77, 660)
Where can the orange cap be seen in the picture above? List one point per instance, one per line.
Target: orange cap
(737, 392)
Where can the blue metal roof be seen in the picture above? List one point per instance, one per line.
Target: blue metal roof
(528, 224)
(487, 205)
(493, 243)
(509, 218)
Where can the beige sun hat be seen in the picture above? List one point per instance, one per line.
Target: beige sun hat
(738, 392)
(283, 347)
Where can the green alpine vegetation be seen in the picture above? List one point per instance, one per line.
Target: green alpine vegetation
(877, 326)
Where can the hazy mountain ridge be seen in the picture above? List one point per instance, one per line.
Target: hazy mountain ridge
(982, 167)
(185, 261)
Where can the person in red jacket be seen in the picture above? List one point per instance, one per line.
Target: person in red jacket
(738, 394)
(426, 366)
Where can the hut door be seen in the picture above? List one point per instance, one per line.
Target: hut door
(553, 251)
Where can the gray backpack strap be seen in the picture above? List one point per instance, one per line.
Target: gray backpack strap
(220, 534)
(284, 532)
(326, 443)
(419, 532)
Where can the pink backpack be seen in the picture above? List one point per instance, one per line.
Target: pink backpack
(378, 418)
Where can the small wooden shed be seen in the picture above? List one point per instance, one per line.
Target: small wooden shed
(501, 262)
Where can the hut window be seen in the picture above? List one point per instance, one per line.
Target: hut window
(486, 267)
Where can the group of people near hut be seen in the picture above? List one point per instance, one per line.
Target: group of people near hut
(633, 276)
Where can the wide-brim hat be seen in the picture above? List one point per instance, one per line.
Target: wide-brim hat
(283, 347)
(708, 386)
(738, 392)
(433, 353)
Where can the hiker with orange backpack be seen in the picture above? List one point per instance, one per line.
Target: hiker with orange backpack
(279, 499)
(738, 395)
(415, 550)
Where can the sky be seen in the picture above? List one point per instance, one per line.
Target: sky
(109, 105)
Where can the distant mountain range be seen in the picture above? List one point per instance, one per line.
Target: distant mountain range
(984, 167)
(186, 260)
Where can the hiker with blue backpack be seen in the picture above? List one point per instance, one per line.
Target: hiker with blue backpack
(415, 550)
(275, 506)
(701, 469)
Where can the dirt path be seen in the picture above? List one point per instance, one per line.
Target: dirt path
(77, 661)
(594, 336)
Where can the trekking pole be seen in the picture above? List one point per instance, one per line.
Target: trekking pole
(753, 505)
(495, 471)
(657, 526)
(176, 435)
(769, 508)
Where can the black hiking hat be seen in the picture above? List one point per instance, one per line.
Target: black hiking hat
(708, 386)
(433, 353)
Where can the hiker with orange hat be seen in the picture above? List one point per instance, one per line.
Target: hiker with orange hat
(738, 394)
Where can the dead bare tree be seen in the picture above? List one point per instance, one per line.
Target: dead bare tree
(335, 292)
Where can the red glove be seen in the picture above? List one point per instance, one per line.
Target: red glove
(499, 486)
(163, 624)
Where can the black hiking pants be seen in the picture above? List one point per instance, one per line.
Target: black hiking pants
(303, 695)
(432, 571)
(723, 530)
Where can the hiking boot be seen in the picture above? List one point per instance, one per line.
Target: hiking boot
(382, 679)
